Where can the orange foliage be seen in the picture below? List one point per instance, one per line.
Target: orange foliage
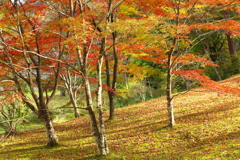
(182, 12)
(207, 83)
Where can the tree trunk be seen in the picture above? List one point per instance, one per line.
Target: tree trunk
(169, 99)
(62, 93)
(76, 112)
(233, 53)
(231, 45)
(70, 82)
(216, 70)
(115, 73)
(206, 51)
(11, 131)
(74, 103)
(125, 75)
(51, 136)
(103, 149)
(103, 146)
(98, 134)
(169, 85)
(187, 83)
(96, 127)
(111, 94)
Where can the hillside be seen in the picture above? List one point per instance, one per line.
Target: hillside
(207, 128)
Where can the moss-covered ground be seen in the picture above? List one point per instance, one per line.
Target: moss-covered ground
(207, 127)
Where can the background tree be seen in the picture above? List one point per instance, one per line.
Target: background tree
(111, 78)
(175, 34)
(73, 85)
(12, 109)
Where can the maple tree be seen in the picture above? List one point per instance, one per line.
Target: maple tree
(40, 34)
(73, 85)
(112, 80)
(86, 45)
(32, 55)
(171, 42)
(42, 41)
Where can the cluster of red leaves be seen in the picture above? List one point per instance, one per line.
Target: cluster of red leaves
(207, 83)
(230, 26)
(94, 80)
(109, 88)
(147, 53)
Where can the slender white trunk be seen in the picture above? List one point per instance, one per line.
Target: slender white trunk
(97, 127)
(51, 135)
(169, 101)
(169, 87)
(103, 141)
(74, 103)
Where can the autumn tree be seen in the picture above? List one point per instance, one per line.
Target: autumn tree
(221, 47)
(111, 79)
(72, 82)
(86, 44)
(171, 37)
(32, 54)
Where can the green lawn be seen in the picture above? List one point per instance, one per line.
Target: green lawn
(207, 128)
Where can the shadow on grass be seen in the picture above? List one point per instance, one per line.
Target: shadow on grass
(76, 137)
(44, 152)
(205, 115)
(215, 140)
(19, 152)
(94, 157)
(138, 128)
(68, 127)
(31, 131)
(163, 127)
(70, 152)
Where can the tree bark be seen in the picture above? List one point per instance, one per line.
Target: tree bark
(96, 127)
(187, 83)
(169, 93)
(103, 147)
(111, 94)
(73, 98)
(231, 45)
(169, 84)
(114, 80)
(70, 85)
(51, 135)
(76, 112)
(206, 51)
(62, 93)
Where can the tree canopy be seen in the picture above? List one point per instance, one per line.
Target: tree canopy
(104, 43)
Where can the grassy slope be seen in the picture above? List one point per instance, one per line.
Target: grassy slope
(207, 128)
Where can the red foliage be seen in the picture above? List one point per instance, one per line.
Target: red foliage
(109, 88)
(207, 83)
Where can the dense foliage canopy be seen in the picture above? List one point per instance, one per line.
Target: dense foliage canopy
(106, 53)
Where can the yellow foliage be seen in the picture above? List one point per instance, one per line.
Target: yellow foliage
(128, 10)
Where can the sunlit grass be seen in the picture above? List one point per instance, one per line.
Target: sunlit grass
(207, 128)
